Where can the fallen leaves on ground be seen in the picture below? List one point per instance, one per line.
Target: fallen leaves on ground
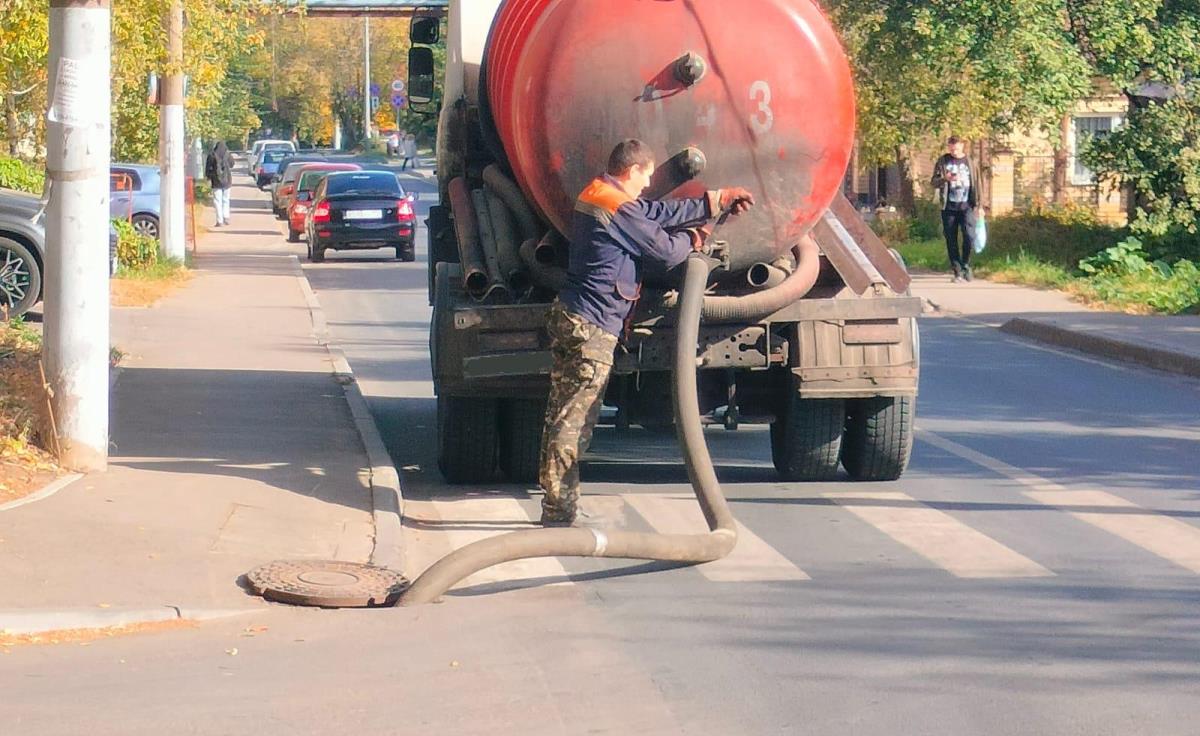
(136, 292)
(24, 414)
(83, 636)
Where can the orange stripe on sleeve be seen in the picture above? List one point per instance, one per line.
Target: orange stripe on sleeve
(604, 195)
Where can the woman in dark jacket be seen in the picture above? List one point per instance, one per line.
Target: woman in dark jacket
(219, 171)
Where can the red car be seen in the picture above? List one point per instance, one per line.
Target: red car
(301, 198)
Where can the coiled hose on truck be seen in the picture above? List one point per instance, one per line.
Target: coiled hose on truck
(588, 542)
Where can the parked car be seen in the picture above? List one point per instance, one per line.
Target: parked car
(268, 165)
(285, 181)
(133, 195)
(358, 210)
(22, 252)
(308, 177)
(259, 147)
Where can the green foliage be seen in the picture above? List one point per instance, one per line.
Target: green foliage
(972, 66)
(202, 190)
(1124, 275)
(16, 174)
(135, 251)
(1125, 257)
(1022, 268)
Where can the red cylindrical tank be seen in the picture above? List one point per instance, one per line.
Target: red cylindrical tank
(773, 111)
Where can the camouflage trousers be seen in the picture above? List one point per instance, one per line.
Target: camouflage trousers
(583, 356)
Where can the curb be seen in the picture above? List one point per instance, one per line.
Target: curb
(46, 491)
(39, 622)
(387, 495)
(1106, 347)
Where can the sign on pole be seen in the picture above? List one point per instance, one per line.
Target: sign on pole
(397, 86)
(398, 101)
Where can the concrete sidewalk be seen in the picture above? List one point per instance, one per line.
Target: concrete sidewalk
(1161, 342)
(232, 445)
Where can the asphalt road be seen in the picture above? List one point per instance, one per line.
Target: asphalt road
(1035, 572)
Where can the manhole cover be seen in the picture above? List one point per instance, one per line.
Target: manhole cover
(327, 583)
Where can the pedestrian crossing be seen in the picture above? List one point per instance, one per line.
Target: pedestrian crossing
(888, 517)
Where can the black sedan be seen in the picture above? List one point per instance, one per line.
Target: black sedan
(354, 210)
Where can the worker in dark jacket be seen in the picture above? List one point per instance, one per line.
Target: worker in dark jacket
(612, 233)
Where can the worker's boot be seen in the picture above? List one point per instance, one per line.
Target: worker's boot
(560, 511)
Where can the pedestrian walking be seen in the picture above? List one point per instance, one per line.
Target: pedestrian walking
(410, 152)
(613, 232)
(218, 169)
(957, 181)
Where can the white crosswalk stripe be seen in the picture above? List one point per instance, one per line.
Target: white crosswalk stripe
(752, 560)
(1171, 539)
(937, 536)
(440, 527)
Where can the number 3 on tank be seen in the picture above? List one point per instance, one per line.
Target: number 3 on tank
(762, 118)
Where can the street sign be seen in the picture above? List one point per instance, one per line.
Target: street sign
(374, 103)
(397, 86)
(398, 100)
(374, 90)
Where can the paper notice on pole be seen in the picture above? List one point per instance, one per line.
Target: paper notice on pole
(71, 85)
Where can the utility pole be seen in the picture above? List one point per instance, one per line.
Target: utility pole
(78, 137)
(170, 139)
(366, 77)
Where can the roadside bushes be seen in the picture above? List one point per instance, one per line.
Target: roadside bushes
(135, 251)
(1125, 276)
(16, 174)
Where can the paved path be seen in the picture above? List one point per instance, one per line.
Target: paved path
(231, 446)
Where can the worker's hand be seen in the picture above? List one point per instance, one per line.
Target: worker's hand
(699, 236)
(737, 200)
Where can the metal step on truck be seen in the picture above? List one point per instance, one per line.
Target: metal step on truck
(808, 325)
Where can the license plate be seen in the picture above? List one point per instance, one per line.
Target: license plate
(364, 214)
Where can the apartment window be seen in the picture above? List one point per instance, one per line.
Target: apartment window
(1088, 126)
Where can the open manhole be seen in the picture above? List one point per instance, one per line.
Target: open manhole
(327, 583)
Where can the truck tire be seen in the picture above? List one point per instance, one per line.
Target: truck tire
(806, 438)
(466, 438)
(879, 436)
(520, 429)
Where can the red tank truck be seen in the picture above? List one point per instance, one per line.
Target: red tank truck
(808, 327)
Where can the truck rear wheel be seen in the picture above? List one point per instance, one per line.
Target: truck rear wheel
(878, 439)
(806, 437)
(521, 423)
(466, 438)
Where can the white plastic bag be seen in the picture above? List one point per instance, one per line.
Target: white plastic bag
(980, 232)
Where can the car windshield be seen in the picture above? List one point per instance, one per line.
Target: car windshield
(292, 167)
(273, 157)
(366, 183)
(310, 179)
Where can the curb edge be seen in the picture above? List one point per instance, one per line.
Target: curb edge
(1150, 357)
(387, 494)
(21, 623)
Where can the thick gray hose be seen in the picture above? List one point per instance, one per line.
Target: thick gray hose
(497, 289)
(544, 272)
(713, 545)
(506, 243)
(753, 307)
(507, 190)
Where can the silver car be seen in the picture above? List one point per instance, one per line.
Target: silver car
(22, 251)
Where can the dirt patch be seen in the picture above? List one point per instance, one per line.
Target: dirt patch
(137, 292)
(21, 476)
(85, 636)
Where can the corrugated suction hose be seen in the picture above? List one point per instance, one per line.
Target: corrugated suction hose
(587, 542)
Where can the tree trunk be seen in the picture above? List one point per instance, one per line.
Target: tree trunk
(906, 201)
(1062, 161)
(10, 124)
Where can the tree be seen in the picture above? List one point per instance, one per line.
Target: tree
(1151, 50)
(24, 46)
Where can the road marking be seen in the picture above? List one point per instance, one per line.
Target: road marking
(1171, 539)
(938, 536)
(445, 526)
(752, 560)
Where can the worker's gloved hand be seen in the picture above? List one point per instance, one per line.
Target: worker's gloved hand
(699, 236)
(735, 199)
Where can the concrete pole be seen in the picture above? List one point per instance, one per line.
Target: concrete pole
(76, 347)
(170, 139)
(366, 77)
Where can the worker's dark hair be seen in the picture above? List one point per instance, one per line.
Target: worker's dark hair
(952, 140)
(629, 153)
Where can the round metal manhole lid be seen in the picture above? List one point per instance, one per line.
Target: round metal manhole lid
(327, 583)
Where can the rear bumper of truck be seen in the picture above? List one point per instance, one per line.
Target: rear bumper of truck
(842, 346)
